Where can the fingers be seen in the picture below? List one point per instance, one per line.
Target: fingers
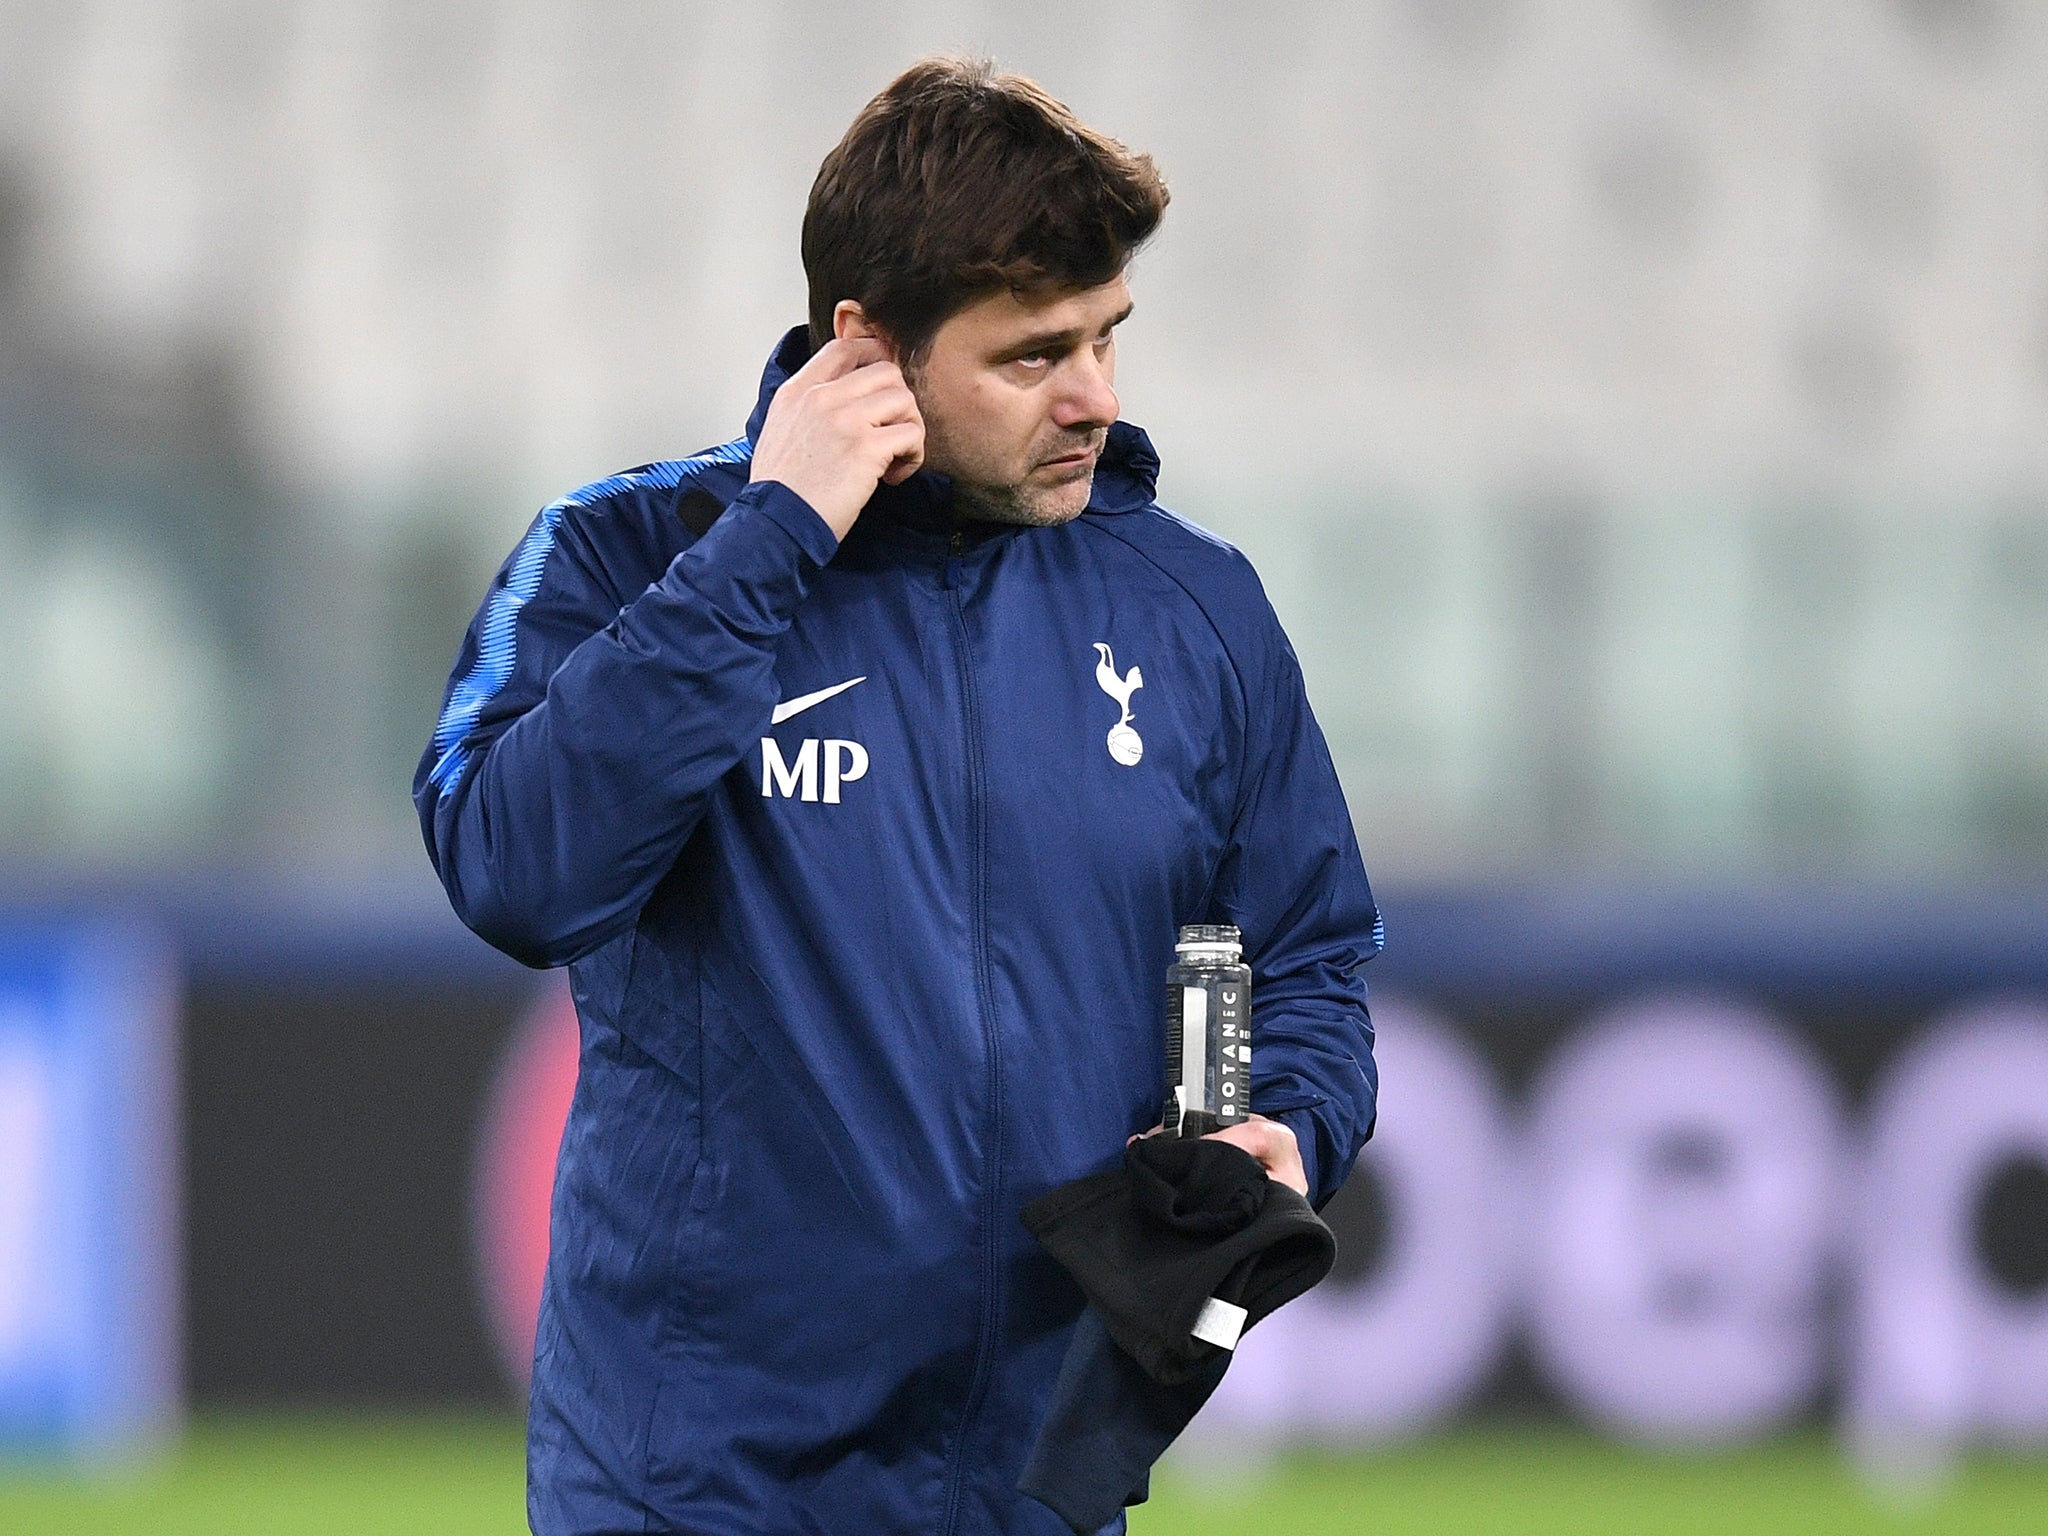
(879, 388)
(891, 410)
(839, 357)
(839, 425)
(910, 458)
(1273, 1144)
(875, 388)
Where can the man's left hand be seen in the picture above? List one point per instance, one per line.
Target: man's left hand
(1271, 1142)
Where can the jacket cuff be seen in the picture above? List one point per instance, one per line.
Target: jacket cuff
(794, 516)
(1303, 1123)
(753, 566)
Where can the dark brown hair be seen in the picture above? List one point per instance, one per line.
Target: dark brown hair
(957, 182)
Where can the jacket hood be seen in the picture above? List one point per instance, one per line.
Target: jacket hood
(1126, 476)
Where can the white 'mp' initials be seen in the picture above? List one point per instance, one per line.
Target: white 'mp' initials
(845, 761)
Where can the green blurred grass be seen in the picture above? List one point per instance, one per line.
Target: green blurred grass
(455, 1476)
(293, 1476)
(1539, 1481)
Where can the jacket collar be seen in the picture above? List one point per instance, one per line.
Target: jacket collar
(1125, 475)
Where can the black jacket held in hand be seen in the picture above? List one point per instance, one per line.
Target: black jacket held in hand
(1149, 1244)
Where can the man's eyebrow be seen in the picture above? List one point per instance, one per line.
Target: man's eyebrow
(1048, 341)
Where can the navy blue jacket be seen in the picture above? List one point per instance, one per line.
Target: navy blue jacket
(867, 929)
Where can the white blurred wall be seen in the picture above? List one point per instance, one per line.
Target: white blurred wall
(1636, 406)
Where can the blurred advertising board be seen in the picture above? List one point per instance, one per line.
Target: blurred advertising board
(89, 1189)
(1687, 1167)
(1693, 1176)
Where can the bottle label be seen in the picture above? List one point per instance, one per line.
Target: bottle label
(1194, 1048)
(1208, 1049)
(1233, 1053)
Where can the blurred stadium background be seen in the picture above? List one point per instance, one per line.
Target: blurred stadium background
(1639, 412)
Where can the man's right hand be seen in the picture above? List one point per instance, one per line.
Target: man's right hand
(839, 426)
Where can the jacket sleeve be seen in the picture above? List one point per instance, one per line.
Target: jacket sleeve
(1291, 879)
(584, 728)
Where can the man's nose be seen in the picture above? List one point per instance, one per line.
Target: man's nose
(1087, 400)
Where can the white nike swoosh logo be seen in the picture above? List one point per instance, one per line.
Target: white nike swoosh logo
(798, 706)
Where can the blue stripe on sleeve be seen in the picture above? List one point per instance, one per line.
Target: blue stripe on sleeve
(497, 639)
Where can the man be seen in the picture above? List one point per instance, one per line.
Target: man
(860, 770)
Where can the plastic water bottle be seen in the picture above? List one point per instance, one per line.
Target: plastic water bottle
(1208, 1032)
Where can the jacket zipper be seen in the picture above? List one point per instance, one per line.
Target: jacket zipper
(977, 800)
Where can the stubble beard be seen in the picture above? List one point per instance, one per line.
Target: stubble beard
(1028, 503)
(1021, 504)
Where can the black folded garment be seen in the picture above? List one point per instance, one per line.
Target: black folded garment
(1150, 1243)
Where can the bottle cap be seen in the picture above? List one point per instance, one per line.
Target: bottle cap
(1210, 941)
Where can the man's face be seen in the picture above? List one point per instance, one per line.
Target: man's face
(1017, 397)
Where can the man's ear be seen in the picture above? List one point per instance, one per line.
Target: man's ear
(850, 320)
